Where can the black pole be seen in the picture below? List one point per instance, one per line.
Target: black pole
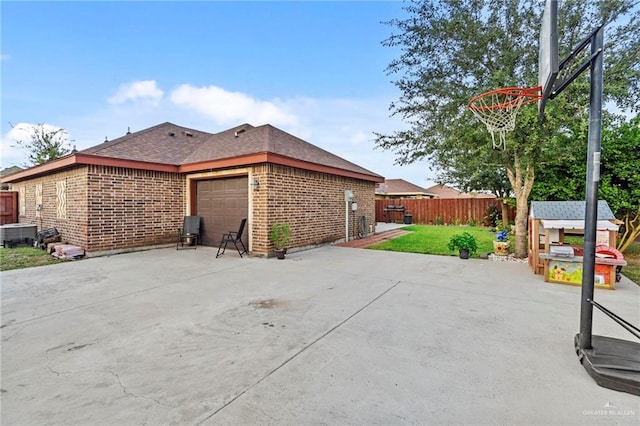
(593, 177)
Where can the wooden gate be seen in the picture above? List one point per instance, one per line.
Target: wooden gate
(8, 207)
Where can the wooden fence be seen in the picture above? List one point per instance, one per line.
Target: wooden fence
(8, 207)
(439, 211)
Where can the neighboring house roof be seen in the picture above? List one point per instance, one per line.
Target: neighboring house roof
(10, 170)
(172, 148)
(567, 210)
(400, 187)
(444, 191)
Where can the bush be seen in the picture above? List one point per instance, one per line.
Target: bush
(464, 241)
(279, 235)
(493, 215)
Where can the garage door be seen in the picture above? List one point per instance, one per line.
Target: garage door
(222, 204)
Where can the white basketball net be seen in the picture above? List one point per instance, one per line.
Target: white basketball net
(497, 109)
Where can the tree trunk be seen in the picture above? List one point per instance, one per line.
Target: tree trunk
(505, 215)
(521, 182)
(522, 212)
(631, 230)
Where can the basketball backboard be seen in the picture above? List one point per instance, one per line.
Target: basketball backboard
(548, 55)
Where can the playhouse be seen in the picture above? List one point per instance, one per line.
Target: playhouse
(562, 263)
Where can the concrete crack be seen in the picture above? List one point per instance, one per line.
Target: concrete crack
(15, 333)
(128, 393)
(304, 348)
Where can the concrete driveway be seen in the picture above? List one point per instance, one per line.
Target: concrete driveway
(328, 336)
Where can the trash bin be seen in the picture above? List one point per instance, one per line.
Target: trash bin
(408, 219)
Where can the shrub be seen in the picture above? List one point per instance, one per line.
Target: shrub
(464, 241)
(279, 235)
(493, 215)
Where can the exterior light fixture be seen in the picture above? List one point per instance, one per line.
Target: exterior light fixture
(254, 184)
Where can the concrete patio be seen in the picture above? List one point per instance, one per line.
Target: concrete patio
(327, 336)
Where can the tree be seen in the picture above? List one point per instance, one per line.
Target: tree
(46, 143)
(478, 169)
(619, 175)
(452, 50)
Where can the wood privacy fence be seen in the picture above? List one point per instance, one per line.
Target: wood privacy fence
(439, 211)
(8, 207)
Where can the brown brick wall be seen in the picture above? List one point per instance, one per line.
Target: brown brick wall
(110, 208)
(117, 209)
(130, 208)
(73, 226)
(311, 202)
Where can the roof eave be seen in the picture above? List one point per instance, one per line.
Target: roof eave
(86, 159)
(244, 160)
(269, 157)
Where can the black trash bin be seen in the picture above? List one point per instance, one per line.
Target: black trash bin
(408, 219)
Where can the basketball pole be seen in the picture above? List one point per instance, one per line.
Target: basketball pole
(593, 178)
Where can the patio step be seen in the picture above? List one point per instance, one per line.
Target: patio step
(374, 239)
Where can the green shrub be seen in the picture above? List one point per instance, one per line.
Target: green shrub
(464, 241)
(279, 235)
(493, 215)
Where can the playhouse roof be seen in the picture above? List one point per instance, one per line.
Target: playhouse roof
(567, 210)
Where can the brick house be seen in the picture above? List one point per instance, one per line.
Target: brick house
(133, 192)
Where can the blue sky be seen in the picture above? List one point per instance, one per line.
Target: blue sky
(314, 69)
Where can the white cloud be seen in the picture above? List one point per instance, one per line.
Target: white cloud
(12, 153)
(343, 127)
(232, 108)
(145, 91)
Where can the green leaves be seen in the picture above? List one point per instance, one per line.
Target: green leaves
(47, 143)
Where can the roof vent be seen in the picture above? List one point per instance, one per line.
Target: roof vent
(239, 132)
(128, 130)
(172, 134)
(106, 140)
(189, 134)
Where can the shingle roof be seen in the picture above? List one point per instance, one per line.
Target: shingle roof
(445, 192)
(568, 210)
(399, 186)
(165, 143)
(168, 143)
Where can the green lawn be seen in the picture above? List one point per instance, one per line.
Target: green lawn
(433, 239)
(25, 257)
(632, 256)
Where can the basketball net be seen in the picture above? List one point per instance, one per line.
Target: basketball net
(497, 109)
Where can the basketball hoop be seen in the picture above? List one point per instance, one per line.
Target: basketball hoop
(498, 108)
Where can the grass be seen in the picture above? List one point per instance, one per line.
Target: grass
(433, 239)
(426, 239)
(632, 270)
(25, 257)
